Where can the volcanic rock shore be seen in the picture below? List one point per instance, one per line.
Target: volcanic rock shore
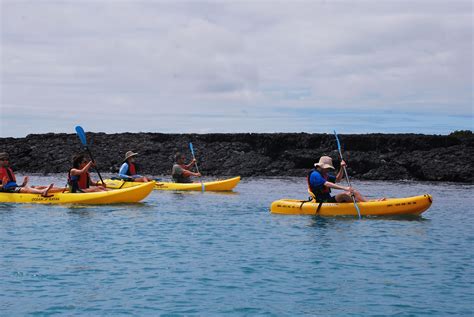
(369, 156)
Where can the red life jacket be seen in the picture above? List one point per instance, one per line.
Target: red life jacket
(78, 182)
(132, 170)
(8, 173)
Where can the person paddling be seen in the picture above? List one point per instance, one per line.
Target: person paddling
(128, 170)
(8, 180)
(181, 172)
(321, 181)
(79, 179)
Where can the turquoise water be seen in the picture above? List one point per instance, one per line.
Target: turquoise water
(215, 254)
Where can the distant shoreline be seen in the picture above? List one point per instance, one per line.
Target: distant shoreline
(372, 156)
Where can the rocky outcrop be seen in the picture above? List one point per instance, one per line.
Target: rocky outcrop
(369, 156)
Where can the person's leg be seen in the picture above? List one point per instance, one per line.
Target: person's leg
(30, 190)
(343, 197)
(358, 196)
(52, 190)
(93, 189)
(141, 179)
(25, 181)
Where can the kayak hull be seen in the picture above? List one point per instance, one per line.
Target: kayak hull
(127, 195)
(414, 206)
(219, 185)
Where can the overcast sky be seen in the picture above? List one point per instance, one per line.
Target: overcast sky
(236, 66)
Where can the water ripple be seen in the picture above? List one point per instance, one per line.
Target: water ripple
(215, 254)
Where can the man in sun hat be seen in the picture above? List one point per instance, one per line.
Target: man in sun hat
(128, 170)
(321, 180)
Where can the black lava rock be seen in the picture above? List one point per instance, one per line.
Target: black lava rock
(369, 156)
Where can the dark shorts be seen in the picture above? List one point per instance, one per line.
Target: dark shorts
(12, 189)
(330, 199)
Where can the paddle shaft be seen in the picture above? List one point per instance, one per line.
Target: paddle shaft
(194, 157)
(95, 167)
(346, 175)
(195, 163)
(82, 137)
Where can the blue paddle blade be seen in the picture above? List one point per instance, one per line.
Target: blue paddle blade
(191, 148)
(82, 135)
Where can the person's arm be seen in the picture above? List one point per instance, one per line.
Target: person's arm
(77, 172)
(123, 171)
(187, 173)
(335, 186)
(340, 173)
(4, 181)
(190, 164)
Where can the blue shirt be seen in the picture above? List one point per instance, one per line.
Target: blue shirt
(316, 182)
(123, 172)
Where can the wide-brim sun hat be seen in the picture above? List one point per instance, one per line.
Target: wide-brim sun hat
(129, 154)
(324, 162)
(4, 156)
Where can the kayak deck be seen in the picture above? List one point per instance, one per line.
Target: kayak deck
(127, 195)
(218, 185)
(415, 205)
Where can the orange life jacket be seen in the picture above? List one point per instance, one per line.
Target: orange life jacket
(8, 173)
(78, 182)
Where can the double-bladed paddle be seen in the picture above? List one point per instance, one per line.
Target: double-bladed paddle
(345, 174)
(82, 136)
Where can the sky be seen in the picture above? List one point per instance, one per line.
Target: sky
(236, 66)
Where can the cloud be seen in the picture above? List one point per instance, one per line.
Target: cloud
(130, 61)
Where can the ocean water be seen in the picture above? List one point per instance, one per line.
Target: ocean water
(208, 254)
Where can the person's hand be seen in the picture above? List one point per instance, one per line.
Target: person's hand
(350, 189)
(343, 163)
(198, 174)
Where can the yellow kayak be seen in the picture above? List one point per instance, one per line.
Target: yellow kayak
(218, 185)
(127, 195)
(415, 205)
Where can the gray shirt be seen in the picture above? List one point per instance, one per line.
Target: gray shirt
(177, 174)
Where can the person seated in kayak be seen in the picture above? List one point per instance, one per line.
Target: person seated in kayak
(181, 172)
(320, 182)
(79, 179)
(8, 182)
(128, 170)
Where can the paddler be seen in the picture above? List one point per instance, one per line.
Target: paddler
(79, 179)
(181, 172)
(8, 182)
(128, 170)
(321, 180)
